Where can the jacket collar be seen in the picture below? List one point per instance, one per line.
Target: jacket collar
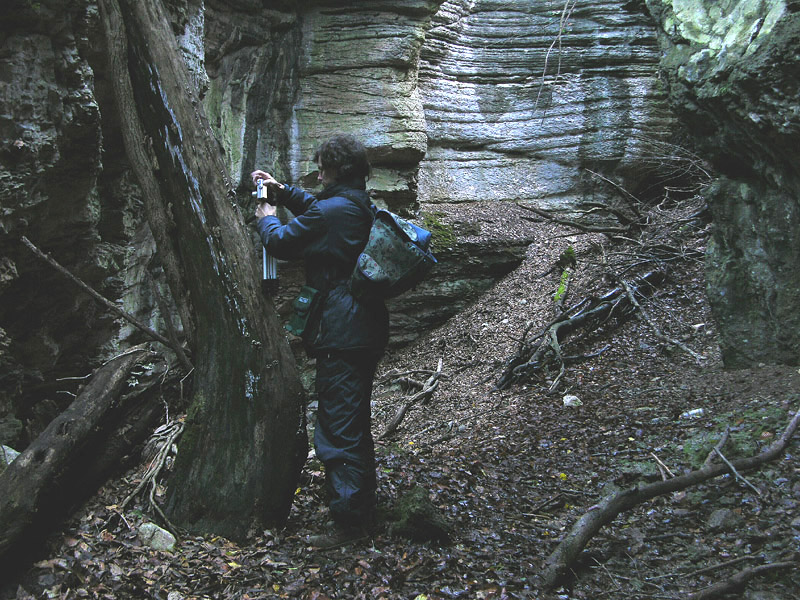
(336, 189)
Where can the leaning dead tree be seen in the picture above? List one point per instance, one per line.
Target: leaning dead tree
(116, 408)
(237, 464)
(559, 564)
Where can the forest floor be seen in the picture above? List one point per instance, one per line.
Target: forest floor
(513, 470)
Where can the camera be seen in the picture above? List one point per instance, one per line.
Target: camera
(265, 192)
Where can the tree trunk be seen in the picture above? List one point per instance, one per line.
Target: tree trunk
(73, 454)
(237, 464)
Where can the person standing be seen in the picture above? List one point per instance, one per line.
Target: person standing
(346, 335)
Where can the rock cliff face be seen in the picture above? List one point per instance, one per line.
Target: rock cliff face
(459, 101)
(521, 98)
(464, 104)
(734, 78)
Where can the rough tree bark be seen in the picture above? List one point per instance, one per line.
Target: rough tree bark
(237, 464)
(74, 453)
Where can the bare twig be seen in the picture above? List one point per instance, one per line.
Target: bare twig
(633, 201)
(427, 390)
(566, 13)
(656, 330)
(107, 303)
(720, 445)
(662, 466)
(736, 473)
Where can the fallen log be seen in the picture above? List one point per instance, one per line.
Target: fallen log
(559, 564)
(68, 461)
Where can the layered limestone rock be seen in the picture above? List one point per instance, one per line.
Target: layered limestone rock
(478, 101)
(523, 98)
(50, 156)
(734, 76)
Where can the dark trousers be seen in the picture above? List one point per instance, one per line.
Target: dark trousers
(342, 437)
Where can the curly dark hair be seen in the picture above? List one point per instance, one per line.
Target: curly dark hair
(347, 155)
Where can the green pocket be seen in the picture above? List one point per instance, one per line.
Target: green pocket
(303, 307)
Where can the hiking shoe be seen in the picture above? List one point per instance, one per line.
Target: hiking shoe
(337, 536)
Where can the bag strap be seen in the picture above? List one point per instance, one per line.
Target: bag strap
(359, 203)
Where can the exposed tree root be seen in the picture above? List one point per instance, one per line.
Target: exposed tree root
(558, 565)
(544, 351)
(157, 450)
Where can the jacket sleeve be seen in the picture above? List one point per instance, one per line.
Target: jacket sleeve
(288, 241)
(296, 200)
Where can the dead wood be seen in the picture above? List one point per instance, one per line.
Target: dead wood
(73, 455)
(559, 563)
(427, 390)
(545, 349)
(735, 582)
(607, 229)
(646, 318)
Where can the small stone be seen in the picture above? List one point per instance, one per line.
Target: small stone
(156, 538)
(724, 519)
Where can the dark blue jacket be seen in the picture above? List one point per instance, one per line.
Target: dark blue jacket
(328, 232)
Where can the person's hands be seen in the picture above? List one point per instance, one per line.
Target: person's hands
(268, 179)
(266, 210)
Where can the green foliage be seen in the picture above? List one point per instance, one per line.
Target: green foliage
(562, 286)
(568, 258)
(442, 235)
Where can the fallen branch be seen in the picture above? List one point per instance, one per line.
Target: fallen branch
(427, 390)
(107, 303)
(533, 357)
(735, 582)
(646, 318)
(559, 563)
(74, 452)
(577, 225)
